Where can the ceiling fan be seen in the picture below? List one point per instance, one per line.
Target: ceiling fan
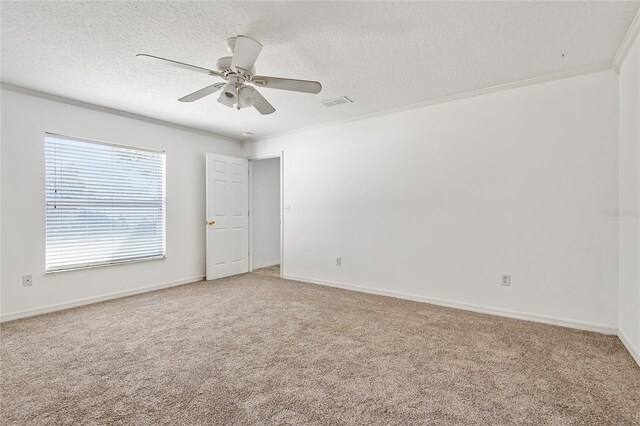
(239, 73)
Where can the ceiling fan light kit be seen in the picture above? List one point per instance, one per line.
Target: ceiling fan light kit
(247, 96)
(239, 73)
(229, 95)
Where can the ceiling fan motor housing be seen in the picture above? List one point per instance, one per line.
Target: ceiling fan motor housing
(224, 63)
(224, 66)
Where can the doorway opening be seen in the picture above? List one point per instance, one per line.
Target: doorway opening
(265, 215)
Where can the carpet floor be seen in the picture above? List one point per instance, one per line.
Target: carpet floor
(271, 271)
(255, 349)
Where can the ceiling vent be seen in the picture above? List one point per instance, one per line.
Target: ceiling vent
(337, 101)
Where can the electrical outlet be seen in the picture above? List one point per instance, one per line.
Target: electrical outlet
(506, 280)
(27, 280)
(338, 261)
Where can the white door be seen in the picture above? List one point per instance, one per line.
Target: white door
(227, 216)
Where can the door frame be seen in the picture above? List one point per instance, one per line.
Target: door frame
(266, 156)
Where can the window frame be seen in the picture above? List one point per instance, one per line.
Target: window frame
(107, 263)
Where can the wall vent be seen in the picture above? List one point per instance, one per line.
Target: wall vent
(337, 101)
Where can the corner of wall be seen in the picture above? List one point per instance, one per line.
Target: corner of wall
(627, 43)
(627, 67)
(633, 351)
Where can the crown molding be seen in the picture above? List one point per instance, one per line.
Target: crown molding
(499, 88)
(87, 105)
(627, 42)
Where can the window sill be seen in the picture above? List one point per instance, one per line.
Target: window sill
(102, 265)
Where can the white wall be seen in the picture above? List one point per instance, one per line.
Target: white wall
(629, 211)
(437, 202)
(265, 212)
(25, 119)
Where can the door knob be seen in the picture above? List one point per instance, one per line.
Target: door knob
(211, 222)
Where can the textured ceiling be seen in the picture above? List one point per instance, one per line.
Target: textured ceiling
(381, 55)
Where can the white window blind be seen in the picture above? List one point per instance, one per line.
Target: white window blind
(105, 204)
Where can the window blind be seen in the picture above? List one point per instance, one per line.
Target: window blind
(105, 204)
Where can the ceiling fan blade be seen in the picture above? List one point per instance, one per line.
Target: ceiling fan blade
(245, 53)
(287, 84)
(178, 64)
(262, 105)
(198, 94)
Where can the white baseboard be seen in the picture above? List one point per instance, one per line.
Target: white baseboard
(265, 264)
(635, 353)
(564, 322)
(80, 302)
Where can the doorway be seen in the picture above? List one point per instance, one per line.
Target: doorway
(265, 215)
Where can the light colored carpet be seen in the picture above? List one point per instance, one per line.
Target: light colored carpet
(271, 271)
(254, 349)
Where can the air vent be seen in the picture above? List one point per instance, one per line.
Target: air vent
(337, 101)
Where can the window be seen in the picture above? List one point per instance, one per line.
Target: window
(105, 204)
